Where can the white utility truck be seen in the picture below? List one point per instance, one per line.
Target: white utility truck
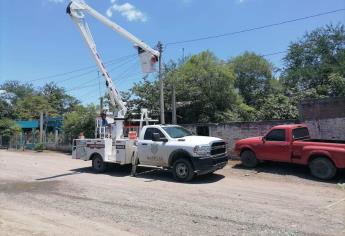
(167, 146)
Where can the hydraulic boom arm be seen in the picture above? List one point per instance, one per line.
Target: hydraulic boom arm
(77, 9)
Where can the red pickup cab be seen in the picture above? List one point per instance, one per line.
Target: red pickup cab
(292, 143)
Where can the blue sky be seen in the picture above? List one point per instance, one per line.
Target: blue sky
(38, 39)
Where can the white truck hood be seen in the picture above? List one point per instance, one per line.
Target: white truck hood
(199, 140)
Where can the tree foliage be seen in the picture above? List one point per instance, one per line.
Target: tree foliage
(253, 74)
(8, 127)
(23, 101)
(58, 98)
(81, 119)
(316, 63)
(204, 89)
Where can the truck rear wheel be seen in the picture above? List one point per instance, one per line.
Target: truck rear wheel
(248, 159)
(322, 168)
(98, 164)
(183, 170)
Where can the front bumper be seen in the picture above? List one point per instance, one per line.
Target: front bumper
(205, 165)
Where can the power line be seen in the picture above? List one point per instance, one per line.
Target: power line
(125, 61)
(86, 84)
(273, 53)
(255, 28)
(82, 87)
(77, 70)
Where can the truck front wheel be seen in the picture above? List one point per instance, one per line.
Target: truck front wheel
(322, 168)
(183, 170)
(98, 164)
(248, 159)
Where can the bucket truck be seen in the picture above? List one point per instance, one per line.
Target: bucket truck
(166, 146)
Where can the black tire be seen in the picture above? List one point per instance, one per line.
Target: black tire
(322, 168)
(183, 170)
(98, 164)
(248, 159)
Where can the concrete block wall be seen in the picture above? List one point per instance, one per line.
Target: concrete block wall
(231, 132)
(325, 119)
(60, 147)
(333, 128)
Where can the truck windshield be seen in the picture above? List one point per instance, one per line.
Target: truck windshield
(300, 133)
(177, 132)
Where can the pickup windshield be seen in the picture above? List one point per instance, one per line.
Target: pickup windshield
(177, 132)
(300, 133)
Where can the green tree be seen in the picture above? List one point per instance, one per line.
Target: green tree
(58, 98)
(204, 90)
(312, 62)
(8, 127)
(19, 90)
(30, 107)
(82, 119)
(205, 87)
(253, 75)
(277, 107)
(5, 106)
(11, 92)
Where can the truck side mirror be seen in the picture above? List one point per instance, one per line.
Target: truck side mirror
(263, 139)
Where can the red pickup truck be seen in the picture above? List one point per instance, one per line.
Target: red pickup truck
(292, 143)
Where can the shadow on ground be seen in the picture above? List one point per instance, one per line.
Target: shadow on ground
(291, 169)
(150, 174)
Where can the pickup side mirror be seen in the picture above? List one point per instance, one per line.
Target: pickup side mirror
(157, 138)
(263, 139)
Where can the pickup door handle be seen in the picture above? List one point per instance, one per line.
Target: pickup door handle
(144, 144)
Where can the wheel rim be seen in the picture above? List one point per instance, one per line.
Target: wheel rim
(181, 170)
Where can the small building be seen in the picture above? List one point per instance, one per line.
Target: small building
(30, 132)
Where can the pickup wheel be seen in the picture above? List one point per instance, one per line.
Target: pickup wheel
(98, 164)
(248, 159)
(183, 170)
(322, 168)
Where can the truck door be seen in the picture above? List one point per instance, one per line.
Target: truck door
(275, 146)
(150, 152)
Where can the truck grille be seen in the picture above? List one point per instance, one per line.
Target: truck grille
(218, 148)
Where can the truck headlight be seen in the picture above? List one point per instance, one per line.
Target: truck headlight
(202, 150)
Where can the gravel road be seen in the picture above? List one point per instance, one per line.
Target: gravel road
(50, 194)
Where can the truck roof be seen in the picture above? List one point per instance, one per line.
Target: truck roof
(290, 126)
(162, 125)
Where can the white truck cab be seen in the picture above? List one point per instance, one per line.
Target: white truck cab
(176, 148)
(169, 146)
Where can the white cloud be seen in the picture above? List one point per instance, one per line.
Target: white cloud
(127, 10)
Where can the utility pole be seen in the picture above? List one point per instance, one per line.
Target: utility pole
(41, 127)
(161, 82)
(173, 105)
(101, 105)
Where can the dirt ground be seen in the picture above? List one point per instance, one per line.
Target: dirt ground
(50, 194)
